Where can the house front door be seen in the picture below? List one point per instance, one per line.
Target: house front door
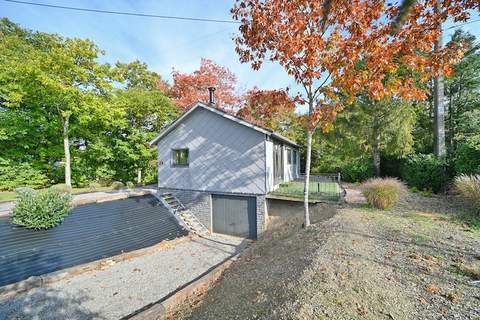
(277, 164)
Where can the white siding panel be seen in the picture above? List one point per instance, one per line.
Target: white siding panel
(224, 156)
(290, 170)
(269, 165)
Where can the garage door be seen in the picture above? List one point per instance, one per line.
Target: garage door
(234, 215)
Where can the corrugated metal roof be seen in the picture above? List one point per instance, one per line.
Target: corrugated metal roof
(90, 232)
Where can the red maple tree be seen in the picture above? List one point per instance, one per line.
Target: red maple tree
(336, 50)
(188, 89)
(273, 109)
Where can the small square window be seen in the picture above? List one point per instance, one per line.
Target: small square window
(180, 157)
(289, 156)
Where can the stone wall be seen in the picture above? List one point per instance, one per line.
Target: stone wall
(261, 215)
(199, 203)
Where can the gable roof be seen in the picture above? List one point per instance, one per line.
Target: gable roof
(226, 115)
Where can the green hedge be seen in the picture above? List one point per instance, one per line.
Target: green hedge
(425, 172)
(358, 170)
(40, 209)
(14, 175)
(467, 159)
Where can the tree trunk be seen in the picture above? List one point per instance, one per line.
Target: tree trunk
(376, 148)
(307, 177)
(438, 101)
(66, 149)
(139, 176)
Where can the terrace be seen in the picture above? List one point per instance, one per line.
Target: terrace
(321, 189)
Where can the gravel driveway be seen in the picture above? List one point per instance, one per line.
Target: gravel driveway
(117, 288)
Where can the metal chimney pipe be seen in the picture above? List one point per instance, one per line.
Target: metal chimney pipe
(211, 95)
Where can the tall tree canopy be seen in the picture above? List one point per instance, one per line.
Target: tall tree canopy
(54, 75)
(54, 92)
(338, 49)
(273, 109)
(188, 89)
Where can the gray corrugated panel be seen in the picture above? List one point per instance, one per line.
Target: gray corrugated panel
(90, 232)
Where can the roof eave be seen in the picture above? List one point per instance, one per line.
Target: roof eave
(225, 115)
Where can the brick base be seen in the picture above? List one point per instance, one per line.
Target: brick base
(199, 203)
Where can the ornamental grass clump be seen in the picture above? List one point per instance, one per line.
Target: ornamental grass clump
(382, 193)
(468, 187)
(40, 209)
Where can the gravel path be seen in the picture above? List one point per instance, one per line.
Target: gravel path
(116, 289)
(413, 262)
(6, 207)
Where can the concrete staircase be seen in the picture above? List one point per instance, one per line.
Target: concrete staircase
(185, 217)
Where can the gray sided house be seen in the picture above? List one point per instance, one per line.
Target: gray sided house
(221, 167)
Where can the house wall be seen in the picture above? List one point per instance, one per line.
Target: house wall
(291, 171)
(224, 156)
(269, 165)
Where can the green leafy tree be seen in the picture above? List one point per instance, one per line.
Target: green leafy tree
(146, 112)
(57, 77)
(463, 93)
(370, 129)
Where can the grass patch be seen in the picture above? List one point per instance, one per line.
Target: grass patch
(470, 220)
(317, 190)
(90, 189)
(6, 196)
(470, 270)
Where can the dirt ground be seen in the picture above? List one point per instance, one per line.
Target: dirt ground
(416, 261)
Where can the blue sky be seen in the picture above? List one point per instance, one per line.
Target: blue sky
(162, 44)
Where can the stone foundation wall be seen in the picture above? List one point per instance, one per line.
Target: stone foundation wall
(262, 215)
(199, 203)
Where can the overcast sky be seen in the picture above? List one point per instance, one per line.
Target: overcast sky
(162, 44)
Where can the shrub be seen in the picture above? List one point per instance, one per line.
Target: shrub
(14, 175)
(61, 188)
(40, 209)
(467, 159)
(468, 186)
(130, 185)
(357, 171)
(390, 166)
(425, 172)
(382, 193)
(94, 186)
(117, 185)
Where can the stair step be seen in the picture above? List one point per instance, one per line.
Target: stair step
(190, 221)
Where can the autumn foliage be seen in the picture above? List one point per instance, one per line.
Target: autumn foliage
(268, 108)
(188, 89)
(338, 49)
